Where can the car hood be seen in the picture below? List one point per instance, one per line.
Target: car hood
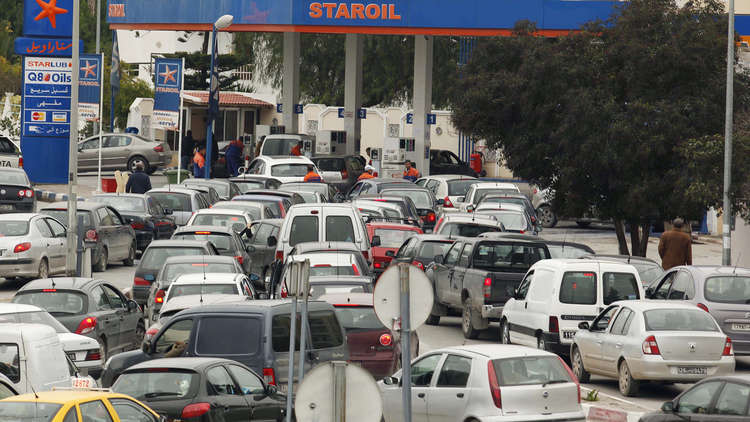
(72, 341)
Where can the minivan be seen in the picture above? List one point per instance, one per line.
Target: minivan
(556, 295)
(211, 331)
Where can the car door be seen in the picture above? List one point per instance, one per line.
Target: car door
(696, 403)
(128, 320)
(662, 288)
(116, 151)
(107, 232)
(123, 233)
(444, 272)
(60, 250)
(447, 401)
(263, 408)
(422, 372)
(54, 246)
(88, 154)
(591, 344)
(107, 318)
(226, 396)
(614, 340)
(514, 310)
(459, 272)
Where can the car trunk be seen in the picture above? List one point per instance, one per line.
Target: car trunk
(734, 319)
(365, 344)
(380, 260)
(539, 399)
(503, 284)
(9, 195)
(172, 409)
(690, 345)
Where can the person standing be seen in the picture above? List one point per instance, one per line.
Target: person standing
(297, 149)
(675, 246)
(199, 162)
(411, 173)
(188, 144)
(312, 175)
(234, 157)
(368, 174)
(138, 182)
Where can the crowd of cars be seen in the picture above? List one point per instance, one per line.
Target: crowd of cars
(213, 259)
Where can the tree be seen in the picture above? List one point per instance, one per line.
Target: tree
(198, 66)
(608, 117)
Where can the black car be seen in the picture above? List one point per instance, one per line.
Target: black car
(446, 162)
(262, 239)
(349, 166)
(205, 389)
(16, 193)
(90, 307)
(114, 239)
(149, 220)
(424, 200)
(226, 240)
(248, 182)
(715, 399)
(421, 249)
(374, 186)
(225, 188)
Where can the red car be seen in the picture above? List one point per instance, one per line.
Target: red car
(371, 345)
(392, 236)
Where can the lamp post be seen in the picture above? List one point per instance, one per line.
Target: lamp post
(213, 91)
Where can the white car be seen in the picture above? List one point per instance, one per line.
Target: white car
(210, 283)
(83, 351)
(382, 211)
(222, 217)
(448, 187)
(478, 190)
(10, 153)
(486, 383)
(285, 169)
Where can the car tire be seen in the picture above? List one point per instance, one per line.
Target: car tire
(433, 319)
(467, 327)
(135, 160)
(576, 361)
(43, 268)
(628, 386)
(140, 333)
(130, 260)
(547, 216)
(505, 332)
(101, 265)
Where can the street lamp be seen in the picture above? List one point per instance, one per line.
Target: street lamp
(213, 90)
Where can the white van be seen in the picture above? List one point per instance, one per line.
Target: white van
(282, 144)
(558, 294)
(322, 222)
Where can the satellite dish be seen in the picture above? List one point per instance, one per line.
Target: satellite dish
(387, 297)
(314, 398)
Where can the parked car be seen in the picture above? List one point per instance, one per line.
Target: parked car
(374, 186)
(224, 188)
(408, 209)
(179, 304)
(556, 294)
(486, 382)
(76, 406)
(286, 169)
(264, 348)
(326, 285)
(147, 218)
(16, 192)
(329, 193)
(513, 217)
(34, 246)
(246, 182)
(425, 202)
(647, 268)
(207, 192)
(10, 153)
(90, 307)
(237, 220)
(113, 239)
(182, 202)
(211, 283)
(226, 240)
(422, 249)
(346, 252)
(123, 151)
(380, 211)
(513, 199)
(261, 244)
(392, 236)
(443, 161)
(211, 389)
(153, 259)
(477, 191)
(468, 225)
(281, 144)
(719, 399)
(256, 210)
(341, 172)
(279, 205)
(639, 341)
(448, 187)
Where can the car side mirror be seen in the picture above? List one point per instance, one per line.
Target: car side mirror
(390, 381)
(649, 292)
(250, 248)
(390, 254)
(146, 346)
(440, 202)
(375, 241)
(438, 259)
(667, 407)
(583, 325)
(133, 306)
(272, 241)
(168, 211)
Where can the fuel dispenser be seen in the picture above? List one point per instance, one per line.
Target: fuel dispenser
(330, 142)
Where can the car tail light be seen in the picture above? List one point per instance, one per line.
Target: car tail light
(194, 410)
(494, 385)
(269, 376)
(447, 202)
(239, 259)
(650, 347)
(355, 269)
(92, 235)
(159, 148)
(554, 325)
(28, 193)
(728, 350)
(418, 264)
(93, 355)
(366, 254)
(378, 264)
(86, 326)
(150, 333)
(702, 306)
(386, 340)
(22, 247)
(344, 174)
(431, 217)
(279, 255)
(437, 225)
(284, 293)
(139, 281)
(21, 193)
(137, 225)
(20, 162)
(49, 290)
(159, 298)
(487, 287)
(522, 231)
(572, 377)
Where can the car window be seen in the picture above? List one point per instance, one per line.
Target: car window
(728, 289)
(280, 332)
(698, 399)
(523, 288)
(249, 383)
(261, 236)
(663, 291)
(220, 381)
(94, 411)
(619, 325)
(6, 146)
(7, 391)
(115, 218)
(679, 320)
(423, 370)
(9, 361)
(454, 372)
(619, 286)
(733, 399)
(465, 255)
(104, 217)
(174, 201)
(130, 411)
(433, 186)
(57, 229)
(325, 331)
(429, 250)
(213, 340)
(578, 288)
(682, 287)
(601, 322)
(339, 228)
(71, 416)
(407, 249)
(100, 298)
(304, 229)
(176, 335)
(114, 298)
(452, 257)
(43, 228)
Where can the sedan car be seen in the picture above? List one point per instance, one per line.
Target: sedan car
(182, 202)
(75, 406)
(408, 209)
(224, 188)
(715, 399)
(113, 238)
(211, 283)
(33, 246)
(486, 382)
(206, 389)
(205, 191)
(425, 202)
(123, 151)
(514, 199)
(179, 304)
(513, 217)
(89, 307)
(467, 225)
(149, 220)
(286, 169)
(238, 220)
(341, 172)
(226, 240)
(392, 236)
(247, 182)
(256, 210)
(448, 187)
(374, 186)
(639, 340)
(16, 192)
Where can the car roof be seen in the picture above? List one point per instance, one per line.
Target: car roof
(305, 247)
(82, 205)
(272, 221)
(207, 278)
(249, 198)
(496, 351)
(252, 177)
(214, 210)
(193, 301)
(326, 205)
(199, 259)
(200, 181)
(562, 263)
(341, 279)
(25, 216)
(717, 270)
(515, 208)
(212, 229)
(119, 195)
(253, 306)
(468, 218)
(178, 243)
(378, 180)
(435, 237)
(450, 177)
(179, 363)
(514, 236)
(516, 195)
(196, 187)
(285, 159)
(243, 203)
(348, 299)
(13, 170)
(646, 304)
(61, 283)
(172, 189)
(620, 258)
(500, 185)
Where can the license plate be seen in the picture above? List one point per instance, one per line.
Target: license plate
(740, 327)
(81, 383)
(6, 207)
(692, 370)
(568, 334)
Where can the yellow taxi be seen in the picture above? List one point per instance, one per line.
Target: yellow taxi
(75, 406)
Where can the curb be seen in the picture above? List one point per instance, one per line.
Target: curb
(49, 196)
(599, 413)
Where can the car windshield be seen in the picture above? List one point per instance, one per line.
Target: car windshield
(392, 238)
(319, 289)
(122, 203)
(177, 290)
(279, 146)
(156, 384)
(13, 178)
(56, 302)
(481, 193)
(567, 251)
(61, 215)
(330, 164)
(223, 220)
(254, 211)
(467, 229)
(503, 200)
(222, 241)
(358, 318)
(321, 188)
(28, 411)
(248, 185)
(174, 201)
(333, 270)
(459, 187)
(172, 271)
(728, 289)
(14, 228)
(505, 256)
(421, 199)
(221, 188)
(530, 370)
(289, 170)
(36, 317)
(154, 258)
(511, 220)
(679, 320)
(429, 249)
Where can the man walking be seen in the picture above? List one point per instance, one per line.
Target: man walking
(675, 246)
(188, 143)
(138, 182)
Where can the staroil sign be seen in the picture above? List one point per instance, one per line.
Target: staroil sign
(354, 11)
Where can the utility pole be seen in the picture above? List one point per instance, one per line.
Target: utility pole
(98, 51)
(72, 240)
(726, 256)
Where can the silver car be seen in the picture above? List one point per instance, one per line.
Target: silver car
(31, 246)
(123, 151)
(642, 340)
(183, 202)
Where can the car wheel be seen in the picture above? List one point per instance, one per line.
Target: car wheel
(578, 369)
(546, 216)
(504, 332)
(138, 160)
(130, 260)
(43, 268)
(466, 325)
(140, 332)
(101, 265)
(628, 386)
(102, 349)
(540, 343)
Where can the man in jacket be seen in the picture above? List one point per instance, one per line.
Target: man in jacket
(199, 162)
(368, 173)
(234, 156)
(675, 246)
(312, 175)
(411, 173)
(138, 182)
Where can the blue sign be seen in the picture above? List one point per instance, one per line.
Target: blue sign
(341, 112)
(298, 109)
(25, 46)
(167, 89)
(409, 118)
(362, 113)
(431, 118)
(279, 108)
(46, 92)
(49, 18)
(89, 87)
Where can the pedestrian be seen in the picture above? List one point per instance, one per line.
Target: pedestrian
(234, 157)
(138, 182)
(368, 174)
(675, 246)
(214, 151)
(199, 162)
(297, 149)
(187, 146)
(411, 173)
(312, 175)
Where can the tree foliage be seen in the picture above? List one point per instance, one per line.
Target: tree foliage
(613, 118)
(198, 66)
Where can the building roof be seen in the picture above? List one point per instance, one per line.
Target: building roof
(225, 99)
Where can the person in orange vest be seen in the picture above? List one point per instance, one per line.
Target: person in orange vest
(368, 174)
(311, 175)
(411, 173)
(199, 162)
(297, 149)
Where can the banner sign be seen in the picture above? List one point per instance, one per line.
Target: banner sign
(24, 46)
(46, 111)
(167, 93)
(89, 87)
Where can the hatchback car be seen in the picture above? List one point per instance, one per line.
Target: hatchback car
(286, 169)
(207, 389)
(467, 225)
(123, 151)
(149, 220)
(326, 285)
(329, 193)
(224, 188)
(179, 304)
(392, 236)
(716, 399)
(648, 269)
(237, 220)
(513, 218)
(211, 283)
(89, 307)
(374, 186)
(182, 202)
(448, 187)
(205, 191)
(279, 206)
(422, 249)
(226, 240)
(16, 192)
(32, 245)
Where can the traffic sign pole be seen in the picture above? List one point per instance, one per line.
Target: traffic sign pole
(403, 271)
(73, 149)
(304, 285)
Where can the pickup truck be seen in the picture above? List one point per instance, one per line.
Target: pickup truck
(478, 275)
